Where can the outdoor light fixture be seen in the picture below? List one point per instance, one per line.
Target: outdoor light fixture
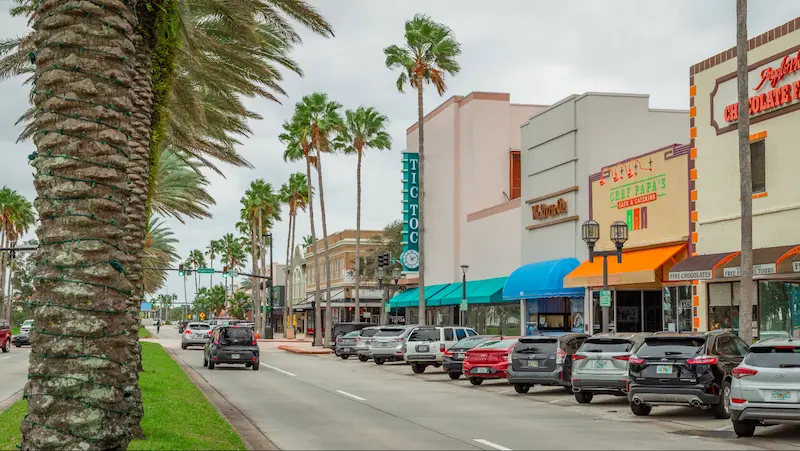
(397, 273)
(590, 232)
(464, 269)
(619, 235)
(380, 273)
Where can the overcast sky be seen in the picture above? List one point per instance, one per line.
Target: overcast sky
(539, 51)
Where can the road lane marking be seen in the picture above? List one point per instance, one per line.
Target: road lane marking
(556, 401)
(279, 370)
(490, 444)
(724, 428)
(5, 358)
(350, 395)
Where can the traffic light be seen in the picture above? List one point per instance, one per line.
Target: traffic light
(383, 260)
(181, 272)
(224, 272)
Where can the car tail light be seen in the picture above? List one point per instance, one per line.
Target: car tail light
(738, 400)
(577, 357)
(635, 360)
(785, 347)
(339, 340)
(358, 339)
(441, 347)
(739, 373)
(702, 360)
(561, 356)
(255, 358)
(188, 332)
(622, 357)
(404, 349)
(448, 353)
(509, 358)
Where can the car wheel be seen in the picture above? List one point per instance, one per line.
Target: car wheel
(583, 397)
(418, 368)
(455, 376)
(363, 358)
(344, 357)
(205, 361)
(255, 366)
(744, 428)
(475, 381)
(640, 410)
(378, 361)
(184, 346)
(722, 410)
(7, 346)
(568, 390)
(210, 365)
(522, 388)
(437, 365)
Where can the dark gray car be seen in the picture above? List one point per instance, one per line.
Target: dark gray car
(544, 360)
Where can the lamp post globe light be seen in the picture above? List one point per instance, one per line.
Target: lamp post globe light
(590, 232)
(464, 269)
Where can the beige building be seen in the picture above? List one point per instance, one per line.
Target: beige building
(712, 274)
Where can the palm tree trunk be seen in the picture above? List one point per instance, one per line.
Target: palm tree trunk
(253, 280)
(358, 238)
(745, 179)
(6, 310)
(317, 306)
(266, 320)
(74, 403)
(420, 119)
(288, 319)
(328, 309)
(211, 281)
(293, 232)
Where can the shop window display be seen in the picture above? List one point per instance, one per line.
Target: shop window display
(723, 307)
(555, 314)
(677, 302)
(502, 319)
(780, 308)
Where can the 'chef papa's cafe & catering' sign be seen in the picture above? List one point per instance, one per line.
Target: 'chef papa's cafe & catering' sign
(411, 195)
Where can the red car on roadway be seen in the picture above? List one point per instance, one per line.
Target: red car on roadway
(489, 360)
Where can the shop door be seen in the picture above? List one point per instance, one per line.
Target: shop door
(652, 311)
(629, 311)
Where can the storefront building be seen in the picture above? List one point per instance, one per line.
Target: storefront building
(561, 147)
(712, 273)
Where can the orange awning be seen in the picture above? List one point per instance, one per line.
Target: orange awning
(637, 266)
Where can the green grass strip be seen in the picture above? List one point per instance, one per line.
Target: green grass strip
(144, 333)
(177, 414)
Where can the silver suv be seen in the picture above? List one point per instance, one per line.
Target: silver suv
(364, 339)
(387, 344)
(765, 389)
(600, 367)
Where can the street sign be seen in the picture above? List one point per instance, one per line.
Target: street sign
(205, 270)
(605, 298)
(189, 316)
(202, 315)
(463, 305)
(233, 273)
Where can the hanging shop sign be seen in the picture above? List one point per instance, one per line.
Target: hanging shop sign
(758, 270)
(549, 211)
(704, 274)
(774, 90)
(411, 198)
(796, 266)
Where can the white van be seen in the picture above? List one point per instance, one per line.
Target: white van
(426, 345)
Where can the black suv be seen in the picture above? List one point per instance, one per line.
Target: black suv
(544, 360)
(692, 369)
(231, 345)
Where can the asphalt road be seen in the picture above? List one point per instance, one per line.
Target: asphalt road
(13, 371)
(312, 402)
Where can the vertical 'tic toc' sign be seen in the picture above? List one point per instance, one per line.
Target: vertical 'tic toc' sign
(411, 225)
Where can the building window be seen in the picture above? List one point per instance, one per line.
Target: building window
(758, 166)
(515, 183)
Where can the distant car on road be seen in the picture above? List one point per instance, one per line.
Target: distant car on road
(600, 367)
(340, 329)
(5, 335)
(346, 344)
(388, 343)
(544, 360)
(765, 388)
(427, 345)
(453, 359)
(363, 341)
(26, 327)
(232, 345)
(196, 334)
(489, 360)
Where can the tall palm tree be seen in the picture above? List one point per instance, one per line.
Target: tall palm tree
(427, 55)
(307, 239)
(745, 176)
(296, 195)
(16, 217)
(159, 252)
(196, 260)
(364, 128)
(321, 116)
(180, 187)
(212, 251)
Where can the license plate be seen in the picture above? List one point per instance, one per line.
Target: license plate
(458, 355)
(781, 396)
(533, 364)
(663, 369)
(423, 348)
(234, 356)
(600, 364)
(480, 370)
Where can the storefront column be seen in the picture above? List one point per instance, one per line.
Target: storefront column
(523, 318)
(588, 308)
(700, 306)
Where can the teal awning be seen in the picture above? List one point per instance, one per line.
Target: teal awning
(436, 299)
(489, 292)
(454, 298)
(400, 299)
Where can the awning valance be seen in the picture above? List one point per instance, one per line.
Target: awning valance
(541, 280)
(489, 292)
(436, 299)
(700, 267)
(766, 261)
(637, 267)
(401, 299)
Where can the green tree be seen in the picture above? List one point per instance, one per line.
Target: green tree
(16, 217)
(427, 55)
(365, 128)
(159, 252)
(296, 195)
(239, 304)
(180, 188)
(212, 251)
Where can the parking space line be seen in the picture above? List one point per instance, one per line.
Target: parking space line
(350, 395)
(724, 428)
(490, 444)
(279, 370)
(5, 358)
(555, 401)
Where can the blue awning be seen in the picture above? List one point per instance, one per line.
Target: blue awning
(541, 280)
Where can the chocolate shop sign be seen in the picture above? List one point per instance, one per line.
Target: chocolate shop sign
(547, 211)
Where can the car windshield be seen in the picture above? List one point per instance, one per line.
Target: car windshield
(424, 335)
(28, 322)
(606, 345)
(774, 357)
(368, 332)
(236, 333)
(497, 344)
(469, 342)
(198, 326)
(537, 346)
(670, 346)
(352, 334)
(393, 332)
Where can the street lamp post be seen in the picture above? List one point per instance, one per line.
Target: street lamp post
(380, 273)
(464, 269)
(397, 273)
(270, 331)
(590, 231)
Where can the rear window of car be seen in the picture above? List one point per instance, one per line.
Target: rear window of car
(28, 322)
(606, 345)
(199, 326)
(498, 344)
(537, 345)
(368, 332)
(393, 332)
(424, 335)
(669, 346)
(774, 357)
(469, 343)
(352, 334)
(236, 333)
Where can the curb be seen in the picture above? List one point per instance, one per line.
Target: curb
(8, 402)
(295, 350)
(252, 437)
(282, 340)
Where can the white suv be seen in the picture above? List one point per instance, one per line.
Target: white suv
(426, 345)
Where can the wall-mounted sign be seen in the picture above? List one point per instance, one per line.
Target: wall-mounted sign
(796, 266)
(411, 194)
(758, 270)
(774, 89)
(547, 211)
(705, 274)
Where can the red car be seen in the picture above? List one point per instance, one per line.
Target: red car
(5, 335)
(489, 360)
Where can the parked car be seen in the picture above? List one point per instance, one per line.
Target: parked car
(26, 327)
(544, 360)
(21, 340)
(363, 341)
(765, 388)
(692, 369)
(196, 334)
(234, 345)
(5, 335)
(600, 367)
(489, 360)
(454, 357)
(342, 329)
(427, 345)
(387, 344)
(346, 344)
